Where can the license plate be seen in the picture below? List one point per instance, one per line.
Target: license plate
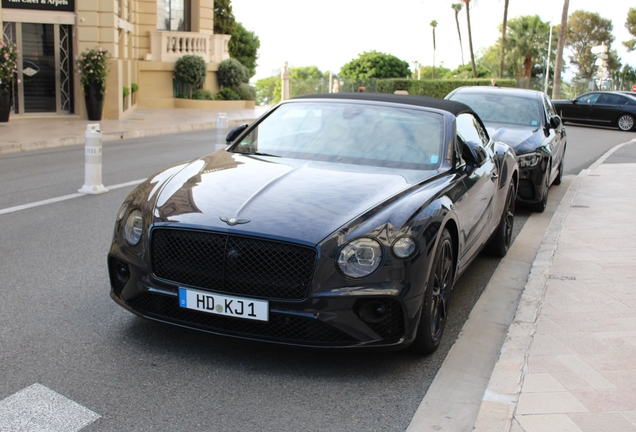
(218, 304)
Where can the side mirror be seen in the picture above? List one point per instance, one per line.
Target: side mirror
(234, 133)
(474, 153)
(555, 122)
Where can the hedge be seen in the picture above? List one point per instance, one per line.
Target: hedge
(435, 88)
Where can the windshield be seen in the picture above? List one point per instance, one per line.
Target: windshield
(346, 132)
(501, 108)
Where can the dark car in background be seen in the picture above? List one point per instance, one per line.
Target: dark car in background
(601, 108)
(333, 221)
(527, 121)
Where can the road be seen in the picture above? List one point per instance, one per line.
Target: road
(59, 327)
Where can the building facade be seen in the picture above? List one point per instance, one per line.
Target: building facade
(144, 38)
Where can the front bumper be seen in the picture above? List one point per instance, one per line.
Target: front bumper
(530, 189)
(328, 319)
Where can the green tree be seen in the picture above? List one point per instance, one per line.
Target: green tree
(470, 38)
(244, 47)
(439, 71)
(305, 80)
(630, 24)
(457, 7)
(268, 90)
(374, 64)
(527, 43)
(224, 20)
(586, 30)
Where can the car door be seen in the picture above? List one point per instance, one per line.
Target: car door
(477, 211)
(605, 108)
(581, 108)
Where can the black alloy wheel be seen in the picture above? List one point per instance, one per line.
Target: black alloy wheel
(436, 298)
(625, 122)
(501, 238)
(540, 206)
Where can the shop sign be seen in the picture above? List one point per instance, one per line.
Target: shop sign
(50, 5)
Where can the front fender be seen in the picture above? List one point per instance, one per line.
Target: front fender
(506, 160)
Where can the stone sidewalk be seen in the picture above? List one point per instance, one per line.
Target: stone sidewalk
(569, 359)
(35, 133)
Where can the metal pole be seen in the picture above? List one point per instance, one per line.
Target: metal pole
(547, 66)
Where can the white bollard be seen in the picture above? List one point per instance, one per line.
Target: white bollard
(93, 161)
(221, 131)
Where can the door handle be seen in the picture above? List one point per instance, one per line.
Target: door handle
(494, 176)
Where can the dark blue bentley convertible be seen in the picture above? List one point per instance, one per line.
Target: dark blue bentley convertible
(333, 221)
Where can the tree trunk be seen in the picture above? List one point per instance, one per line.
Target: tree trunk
(503, 39)
(434, 52)
(556, 89)
(470, 40)
(459, 33)
(527, 70)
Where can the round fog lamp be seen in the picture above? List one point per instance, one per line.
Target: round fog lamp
(404, 247)
(133, 228)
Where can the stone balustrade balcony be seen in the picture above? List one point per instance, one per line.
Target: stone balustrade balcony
(169, 46)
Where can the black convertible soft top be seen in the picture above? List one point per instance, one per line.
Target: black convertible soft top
(453, 107)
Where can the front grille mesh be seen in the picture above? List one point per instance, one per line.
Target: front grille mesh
(284, 328)
(233, 264)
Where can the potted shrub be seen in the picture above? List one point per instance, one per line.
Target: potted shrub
(8, 71)
(92, 66)
(191, 70)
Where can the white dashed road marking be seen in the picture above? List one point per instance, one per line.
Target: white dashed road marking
(37, 408)
(63, 198)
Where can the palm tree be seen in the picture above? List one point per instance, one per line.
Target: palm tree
(556, 90)
(457, 7)
(470, 39)
(527, 36)
(434, 24)
(503, 39)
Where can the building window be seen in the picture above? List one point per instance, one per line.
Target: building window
(173, 15)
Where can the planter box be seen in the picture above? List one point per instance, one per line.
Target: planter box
(213, 105)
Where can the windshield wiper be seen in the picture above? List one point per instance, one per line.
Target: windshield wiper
(258, 154)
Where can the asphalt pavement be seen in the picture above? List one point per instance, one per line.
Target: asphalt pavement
(566, 362)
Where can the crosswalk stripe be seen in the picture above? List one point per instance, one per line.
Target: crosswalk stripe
(37, 408)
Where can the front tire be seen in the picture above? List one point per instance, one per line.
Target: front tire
(625, 122)
(502, 237)
(436, 298)
(559, 177)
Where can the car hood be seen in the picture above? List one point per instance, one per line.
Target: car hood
(523, 139)
(288, 199)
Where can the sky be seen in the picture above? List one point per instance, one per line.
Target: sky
(330, 34)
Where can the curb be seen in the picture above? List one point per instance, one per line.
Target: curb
(501, 397)
(114, 135)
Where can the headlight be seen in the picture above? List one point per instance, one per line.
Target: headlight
(122, 211)
(528, 160)
(133, 228)
(360, 257)
(404, 247)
